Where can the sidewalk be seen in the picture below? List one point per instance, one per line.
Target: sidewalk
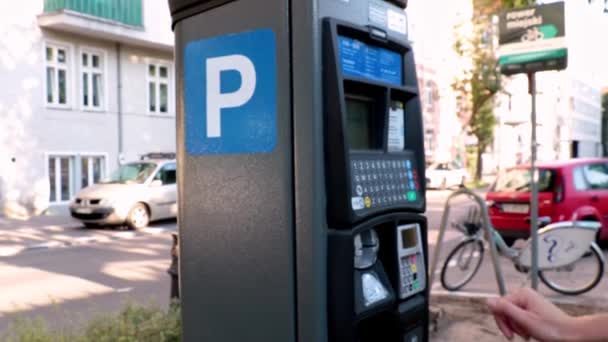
(468, 319)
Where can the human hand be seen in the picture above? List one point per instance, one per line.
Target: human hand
(528, 314)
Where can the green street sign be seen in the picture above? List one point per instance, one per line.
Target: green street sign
(532, 39)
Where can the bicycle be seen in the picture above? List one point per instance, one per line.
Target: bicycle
(562, 247)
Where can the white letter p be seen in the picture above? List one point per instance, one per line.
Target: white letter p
(215, 99)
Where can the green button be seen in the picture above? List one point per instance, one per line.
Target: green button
(411, 196)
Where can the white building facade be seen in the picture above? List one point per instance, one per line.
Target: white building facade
(568, 102)
(433, 34)
(86, 84)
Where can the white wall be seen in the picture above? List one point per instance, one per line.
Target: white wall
(29, 130)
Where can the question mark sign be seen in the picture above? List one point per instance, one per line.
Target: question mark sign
(553, 242)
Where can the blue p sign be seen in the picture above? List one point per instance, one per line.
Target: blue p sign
(230, 94)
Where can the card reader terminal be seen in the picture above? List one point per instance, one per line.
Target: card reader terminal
(412, 276)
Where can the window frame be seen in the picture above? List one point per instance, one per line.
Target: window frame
(75, 158)
(429, 94)
(105, 167)
(103, 103)
(69, 71)
(157, 82)
(71, 176)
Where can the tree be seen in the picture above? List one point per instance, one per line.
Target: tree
(478, 84)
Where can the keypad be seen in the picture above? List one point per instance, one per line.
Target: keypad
(378, 182)
(411, 279)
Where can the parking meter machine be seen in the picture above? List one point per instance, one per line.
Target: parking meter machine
(375, 194)
(300, 172)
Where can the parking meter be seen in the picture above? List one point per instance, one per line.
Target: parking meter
(301, 168)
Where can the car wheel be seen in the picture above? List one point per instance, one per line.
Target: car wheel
(90, 225)
(139, 217)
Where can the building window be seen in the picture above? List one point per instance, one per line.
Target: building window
(92, 80)
(57, 61)
(158, 88)
(428, 91)
(92, 170)
(61, 178)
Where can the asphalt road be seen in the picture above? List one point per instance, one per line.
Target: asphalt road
(77, 276)
(67, 285)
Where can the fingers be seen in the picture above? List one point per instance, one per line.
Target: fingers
(520, 331)
(501, 322)
(505, 323)
(515, 315)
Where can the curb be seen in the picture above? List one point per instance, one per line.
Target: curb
(574, 305)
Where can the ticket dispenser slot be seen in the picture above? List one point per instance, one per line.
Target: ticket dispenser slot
(374, 163)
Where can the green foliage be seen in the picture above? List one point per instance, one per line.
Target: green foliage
(476, 87)
(133, 324)
(494, 6)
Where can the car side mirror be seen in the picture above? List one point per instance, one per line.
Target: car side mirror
(156, 183)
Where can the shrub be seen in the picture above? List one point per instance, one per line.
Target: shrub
(133, 323)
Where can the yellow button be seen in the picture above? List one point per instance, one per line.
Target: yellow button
(368, 202)
(414, 268)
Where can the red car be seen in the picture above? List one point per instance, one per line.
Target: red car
(577, 186)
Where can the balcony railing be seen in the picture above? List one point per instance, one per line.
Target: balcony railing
(128, 12)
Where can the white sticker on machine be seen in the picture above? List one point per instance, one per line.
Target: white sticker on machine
(396, 127)
(357, 203)
(377, 14)
(397, 21)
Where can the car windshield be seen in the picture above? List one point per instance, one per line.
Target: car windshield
(131, 173)
(518, 180)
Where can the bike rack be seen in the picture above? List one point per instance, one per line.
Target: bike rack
(486, 223)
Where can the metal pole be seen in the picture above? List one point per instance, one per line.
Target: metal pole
(119, 101)
(489, 232)
(533, 183)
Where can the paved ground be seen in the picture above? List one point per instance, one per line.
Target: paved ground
(44, 232)
(53, 268)
(464, 317)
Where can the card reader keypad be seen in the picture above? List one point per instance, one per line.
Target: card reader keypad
(381, 182)
(412, 274)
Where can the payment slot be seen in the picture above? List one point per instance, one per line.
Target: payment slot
(377, 280)
(374, 165)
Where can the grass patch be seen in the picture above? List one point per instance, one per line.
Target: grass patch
(133, 323)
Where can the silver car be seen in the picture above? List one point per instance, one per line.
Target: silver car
(135, 194)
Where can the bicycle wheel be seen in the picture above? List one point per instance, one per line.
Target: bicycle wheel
(579, 277)
(461, 264)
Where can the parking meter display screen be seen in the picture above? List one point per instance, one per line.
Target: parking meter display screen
(370, 62)
(409, 238)
(358, 123)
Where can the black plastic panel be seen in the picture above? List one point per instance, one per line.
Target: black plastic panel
(181, 9)
(343, 203)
